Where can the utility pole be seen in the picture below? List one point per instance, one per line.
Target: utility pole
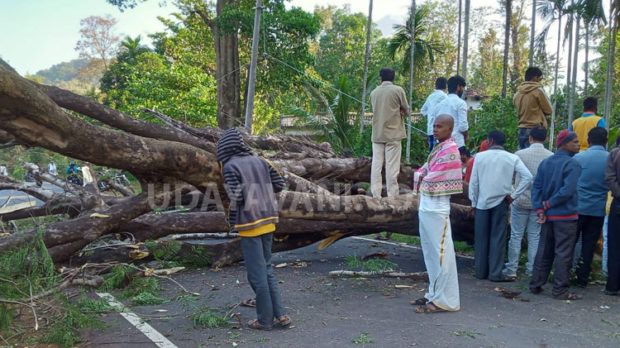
(408, 152)
(366, 58)
(249, 103)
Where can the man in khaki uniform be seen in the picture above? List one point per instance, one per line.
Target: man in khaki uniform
(389, 104)
(532, 104)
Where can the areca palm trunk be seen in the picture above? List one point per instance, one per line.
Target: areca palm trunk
(571, 97)
(532, 34)
(458, 45)
(466, 38)
(611, 57)
(506, 47)
(412, 50)
(555, 83)
(366, 59)
(586, 62)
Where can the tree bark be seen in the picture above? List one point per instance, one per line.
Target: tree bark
(506, 46)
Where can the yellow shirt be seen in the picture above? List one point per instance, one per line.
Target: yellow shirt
(258, 231)
(582, 126)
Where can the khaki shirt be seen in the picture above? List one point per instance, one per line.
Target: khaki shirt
(387, 122)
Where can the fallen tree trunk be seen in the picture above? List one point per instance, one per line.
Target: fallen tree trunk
(177, 155)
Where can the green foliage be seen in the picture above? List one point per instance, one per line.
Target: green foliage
(147, 299)
(197, 257)
(206, 317)
(496, 113)
(65, 331)
(87, 305)
(163, 251)
(6, 317)
(379, 265)
(462, 248)
(404, 238)
(29, 268)
(362, 339)
(118, 276)
(372, 265)
(139, 286)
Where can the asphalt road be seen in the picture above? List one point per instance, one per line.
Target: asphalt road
(373, 312)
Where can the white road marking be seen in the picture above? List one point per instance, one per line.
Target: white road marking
(404, 245)
(138, 323)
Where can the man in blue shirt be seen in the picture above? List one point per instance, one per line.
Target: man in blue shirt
(592, 193)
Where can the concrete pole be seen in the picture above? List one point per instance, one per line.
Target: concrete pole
(249, 103)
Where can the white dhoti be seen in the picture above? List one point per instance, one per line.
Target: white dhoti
(438, 249)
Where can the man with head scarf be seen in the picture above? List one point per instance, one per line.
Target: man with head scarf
(251, 184)
(554, 197)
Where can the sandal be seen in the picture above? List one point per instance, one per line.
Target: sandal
(283, 321)
(429, 308)
(254, 324)
(568, 296)
(248, 303)
(419, 302)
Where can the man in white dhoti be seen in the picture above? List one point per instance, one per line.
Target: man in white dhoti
(441, 177)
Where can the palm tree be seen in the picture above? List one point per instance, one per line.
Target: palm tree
(593, 14)
(550, 11)
(573, 83)
(614, 13)
(506, 46)
(532, 34)
(458, 44)
(425, 46)
(366, 58)
(337, 126)
(466, 38)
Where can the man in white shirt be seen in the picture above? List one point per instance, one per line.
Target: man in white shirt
(491, 192)
(522, 216)
(441, 84)
(456, 107)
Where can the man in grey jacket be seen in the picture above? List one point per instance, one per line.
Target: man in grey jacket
(612, 179)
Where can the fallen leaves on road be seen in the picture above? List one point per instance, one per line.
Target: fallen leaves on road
(507, 293)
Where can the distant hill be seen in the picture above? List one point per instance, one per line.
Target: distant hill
(77, 75)
(65, 71)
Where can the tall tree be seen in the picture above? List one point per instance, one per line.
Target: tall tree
(614, 12)
(458, 45)
(506, 46)
(98, 41)
(466, 38)
(575, 66)
(532, 35)
(551, 11)
(593, 14)
(366, 59)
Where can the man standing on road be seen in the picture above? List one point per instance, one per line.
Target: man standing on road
(389, 105)
(612, 179)
(491, 192)
(587, 121)
(456, 107)
(592, 193)
(522, 216)
(532, 105)
(554, 197)
(441, 84)
(441, 177)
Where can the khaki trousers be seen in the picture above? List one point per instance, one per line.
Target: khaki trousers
(390, 154)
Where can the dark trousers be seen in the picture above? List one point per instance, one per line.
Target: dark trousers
(431, 142)
(490, 241)
(557, 241)
(613, 248)
(589, 230)
(523, 137)
(257, 257)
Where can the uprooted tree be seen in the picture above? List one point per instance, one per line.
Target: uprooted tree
(176, 165)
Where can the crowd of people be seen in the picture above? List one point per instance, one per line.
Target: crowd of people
(563, 202)
(557, 198)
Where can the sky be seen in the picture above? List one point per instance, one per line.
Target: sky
(37, 34)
